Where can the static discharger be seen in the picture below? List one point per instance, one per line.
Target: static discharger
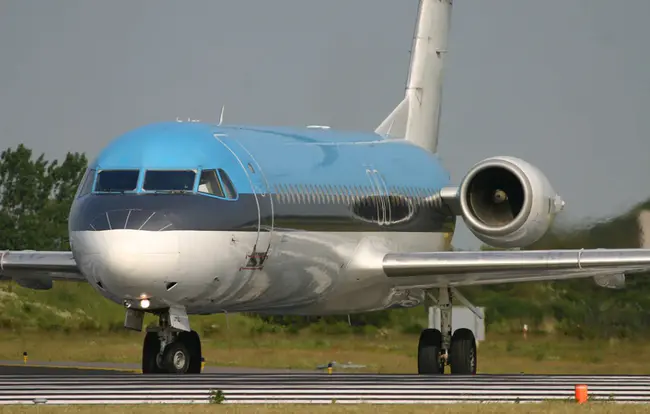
(581, 393)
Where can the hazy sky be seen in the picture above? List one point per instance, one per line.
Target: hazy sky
(563, 84)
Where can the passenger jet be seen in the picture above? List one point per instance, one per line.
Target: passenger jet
(192, 218)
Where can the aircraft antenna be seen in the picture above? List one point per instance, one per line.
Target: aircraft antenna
(223, 108)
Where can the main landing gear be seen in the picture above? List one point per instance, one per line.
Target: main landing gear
(438, 348)
(171, 347)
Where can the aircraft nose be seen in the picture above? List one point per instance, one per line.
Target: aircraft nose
(133, 263)
(131, 219)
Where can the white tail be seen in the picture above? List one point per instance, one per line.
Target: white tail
(417, 117)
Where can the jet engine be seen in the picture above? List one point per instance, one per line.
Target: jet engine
(506, 202)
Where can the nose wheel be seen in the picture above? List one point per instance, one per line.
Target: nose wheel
(151, 362)
(176, 358)
(168, 352)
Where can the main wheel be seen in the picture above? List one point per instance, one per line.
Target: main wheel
(193, 343)
(176, 358)
(429, 351)
(463, 352)
(150, 352)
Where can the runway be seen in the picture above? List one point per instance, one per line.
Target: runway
(47, 385)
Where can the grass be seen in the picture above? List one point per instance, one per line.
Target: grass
(389, 353)
(546, 408)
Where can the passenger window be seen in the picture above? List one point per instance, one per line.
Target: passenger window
(276, 191)
(290, 196)
(303, 194)
(317, 195)
(307, 193)
(314, 195)
(326, 195)
(283, 193)
(169, 180)
(112, 181)
(228, 186)
(209, 183)
(294, 193)
(86, 185)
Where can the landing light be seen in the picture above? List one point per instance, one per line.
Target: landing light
(144, 303)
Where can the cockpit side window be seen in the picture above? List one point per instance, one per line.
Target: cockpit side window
(227, 185)
(209, 183)
(86, 185)
(114, 181)
(155, 180)
(217, 183)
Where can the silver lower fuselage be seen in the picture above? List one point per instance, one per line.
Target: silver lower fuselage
(305, 273)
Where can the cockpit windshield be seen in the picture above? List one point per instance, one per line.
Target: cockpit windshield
(111, 181)
(212, 182)
(169, 180)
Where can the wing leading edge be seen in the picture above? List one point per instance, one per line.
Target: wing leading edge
(37, 269)
(438, 269)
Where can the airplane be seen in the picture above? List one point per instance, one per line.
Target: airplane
(192, 218)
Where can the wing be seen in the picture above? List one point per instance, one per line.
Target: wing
(436, 269)
(37, 270)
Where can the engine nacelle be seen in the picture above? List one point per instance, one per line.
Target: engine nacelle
(506, 202)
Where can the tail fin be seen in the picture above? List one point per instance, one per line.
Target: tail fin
(417, 117)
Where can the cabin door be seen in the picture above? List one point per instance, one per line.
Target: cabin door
(262, 198)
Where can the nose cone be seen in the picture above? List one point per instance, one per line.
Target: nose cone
(130, 263)
(131, 219)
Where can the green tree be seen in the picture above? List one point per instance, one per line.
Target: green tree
(35, 199)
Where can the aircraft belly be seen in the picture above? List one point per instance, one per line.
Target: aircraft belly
(306, 273)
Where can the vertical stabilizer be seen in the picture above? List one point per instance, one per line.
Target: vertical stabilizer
(417, 117)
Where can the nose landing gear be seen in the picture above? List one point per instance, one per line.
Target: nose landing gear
(166, 350)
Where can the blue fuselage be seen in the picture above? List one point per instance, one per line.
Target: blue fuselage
(310, 179)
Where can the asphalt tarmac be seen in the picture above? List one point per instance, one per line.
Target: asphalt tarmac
(119, 384)
(60, 369)
(99, 368)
